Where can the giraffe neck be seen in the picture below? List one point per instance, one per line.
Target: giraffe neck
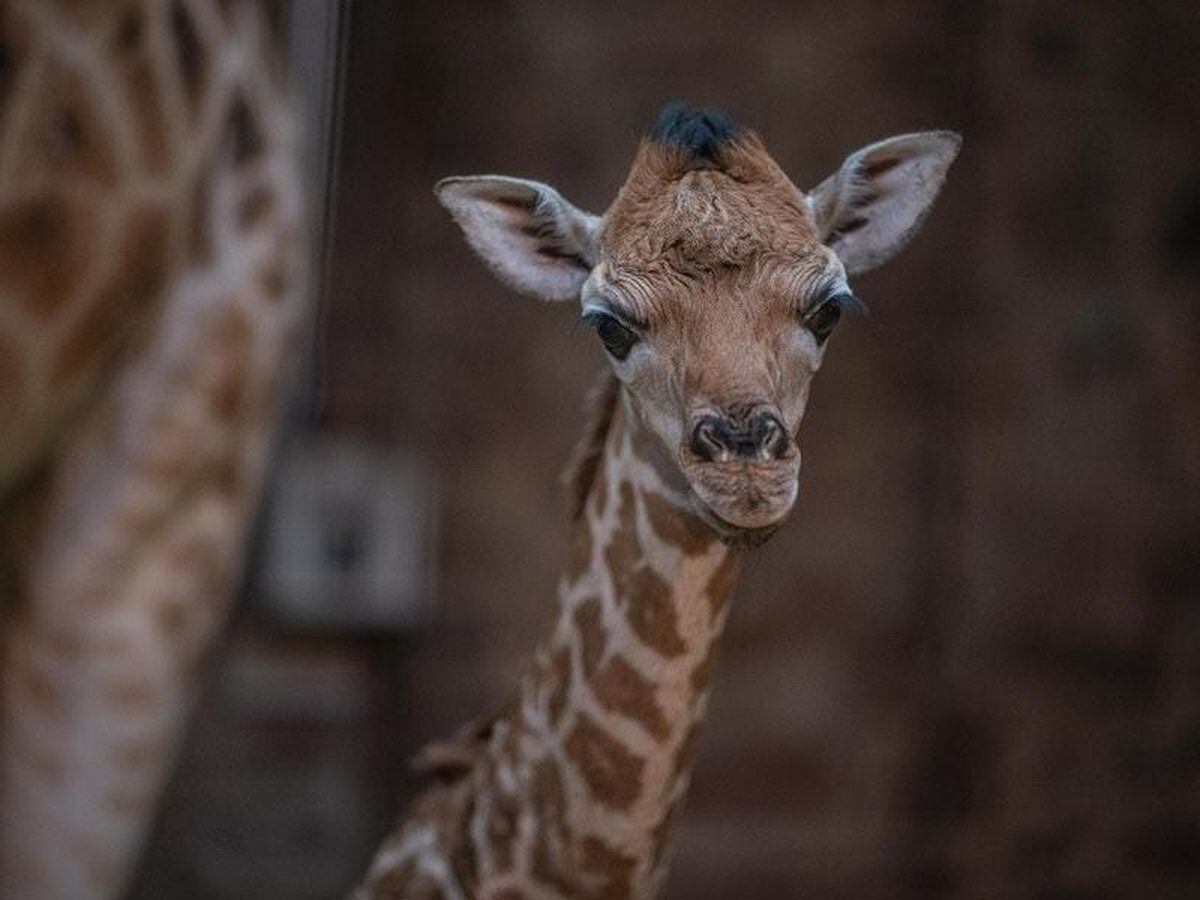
(593, 762)
(151, 250)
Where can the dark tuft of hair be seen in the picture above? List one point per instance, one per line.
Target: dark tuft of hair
(697, 131)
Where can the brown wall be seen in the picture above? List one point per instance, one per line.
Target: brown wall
(971, 666)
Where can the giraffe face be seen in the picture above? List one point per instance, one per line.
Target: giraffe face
(713, 284)
(718, 369)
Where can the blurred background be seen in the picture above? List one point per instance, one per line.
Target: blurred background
(970, 667)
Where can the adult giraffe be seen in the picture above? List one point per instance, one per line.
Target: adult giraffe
(713, 284)
(151, 254)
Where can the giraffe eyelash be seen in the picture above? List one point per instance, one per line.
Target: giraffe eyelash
(846, 301)
(832, 290)
(822, 317)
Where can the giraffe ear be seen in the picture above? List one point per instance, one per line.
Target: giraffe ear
(876, 201)
(532, 238)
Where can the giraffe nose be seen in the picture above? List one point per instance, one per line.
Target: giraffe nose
(722, 438)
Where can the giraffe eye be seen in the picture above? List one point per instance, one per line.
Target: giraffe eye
(617, 339)
(822, 319)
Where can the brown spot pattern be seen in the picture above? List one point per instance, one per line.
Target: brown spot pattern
(702, 674)
(650, 612)
(560, 675)
(580, 559)
(245, 139)
(621, 689)
(611, 771)
(173, 616)
(405, 883)
(627, 518)
(502, 829)
(67, 138)
(232, 340)
(128, 33)
(188, 51)
(228, 480)
(66, 645)
(589, 620)
(274, 279)
(254, 207)
(645, 597)
(614, 868)
(206, 564)
(720, 584)
(623, 553)
(677, 527)
(550, 849)
(187, 555)
(44, 249)
(600, 487)
(460, 846)
(130, 694)
(125, 301)
(144, 93)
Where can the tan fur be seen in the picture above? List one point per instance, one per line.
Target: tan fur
(683, 222)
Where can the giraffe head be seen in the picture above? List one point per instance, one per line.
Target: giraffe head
(713, 283)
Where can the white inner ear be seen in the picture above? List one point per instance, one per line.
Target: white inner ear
(533, 239)
(877, 200)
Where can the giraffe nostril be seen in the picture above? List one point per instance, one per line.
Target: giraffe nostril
(711, 439)
(770, 438)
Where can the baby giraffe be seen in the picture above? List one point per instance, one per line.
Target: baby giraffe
(713, 284)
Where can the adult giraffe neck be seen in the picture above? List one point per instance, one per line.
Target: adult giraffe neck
(603, 729)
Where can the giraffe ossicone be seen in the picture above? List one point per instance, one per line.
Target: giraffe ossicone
(713, 284)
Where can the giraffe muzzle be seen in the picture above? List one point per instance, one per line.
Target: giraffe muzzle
(743, 470)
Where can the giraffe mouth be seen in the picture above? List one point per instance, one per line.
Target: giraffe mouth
(744, 519)
(735, 535)
(743, 501)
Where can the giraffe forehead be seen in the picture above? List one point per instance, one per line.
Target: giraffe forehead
(707, 216)
(675, 245)
(707, 220)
